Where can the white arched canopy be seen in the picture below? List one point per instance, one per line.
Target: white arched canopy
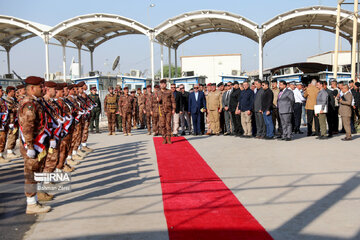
(94, 29)
(317, 17)
(177, 30)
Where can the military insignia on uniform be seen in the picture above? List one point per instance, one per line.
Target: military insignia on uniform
(30, 107)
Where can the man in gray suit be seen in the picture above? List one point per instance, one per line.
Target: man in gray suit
(259, 119)
(286, 101)
(227, 114)
(345, 111)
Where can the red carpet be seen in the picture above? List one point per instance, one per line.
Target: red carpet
(197, 204)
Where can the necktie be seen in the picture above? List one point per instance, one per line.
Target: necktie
(280, 93)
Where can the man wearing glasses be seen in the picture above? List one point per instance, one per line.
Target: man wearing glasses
(197, 105)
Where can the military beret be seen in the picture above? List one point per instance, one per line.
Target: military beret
(209, 84)
(213, 84)
(126, 88)
(157, 86)
(60, 86)
(163, 81)
(10, 88)
(70, 86)
(138, 89)
(32, 80)
(148, 86)
(50, 84)
(357, 84)
(236, 82)
(80, 84)
(93, 88)
(20, 86)
(144, 88)
(220, 84)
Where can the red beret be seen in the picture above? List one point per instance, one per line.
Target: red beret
(50, 84)
(139, 89)
(20, 86)
(32, 80)
(93, 88)
(157, 86)
(148, 86)
(208, 85)
(10, 88)
(126, 88)
(60, 86)
(70, 86)
(80, 84)
(163, 81)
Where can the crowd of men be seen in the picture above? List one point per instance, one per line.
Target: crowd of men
(261, 109)
(52, 121)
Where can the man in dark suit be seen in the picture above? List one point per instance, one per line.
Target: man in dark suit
(286, 102)
(235, 118)
(185, 116)
(202, 115)
(331, 115)
(197, 102)
(178, 109)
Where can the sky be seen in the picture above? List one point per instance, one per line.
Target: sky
(28, 57)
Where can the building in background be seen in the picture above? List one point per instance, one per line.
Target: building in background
(211, 66)
(328, 58)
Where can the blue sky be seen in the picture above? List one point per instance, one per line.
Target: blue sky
(28, 57)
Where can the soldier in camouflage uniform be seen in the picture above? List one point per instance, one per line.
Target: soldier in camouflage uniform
(141, 102)
(13, 132)
(118, 92)
(110, 107)
(90, 105)
(148, 108)
(167, 108)
(4, 125)
(155, 111)
(96, 111)
(32, 121)
(127, 111)
(135, 117)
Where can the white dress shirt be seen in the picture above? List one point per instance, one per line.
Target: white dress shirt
(298, 96)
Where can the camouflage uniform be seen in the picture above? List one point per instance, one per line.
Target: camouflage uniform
(141, 102)
(167, 105)
(148, 109)
(135, 116)
(156, 112)
(3, 124)
(110, 106)
(87, 118)
(13, 133)
(32, 121)
(118, 115)
(127, 110)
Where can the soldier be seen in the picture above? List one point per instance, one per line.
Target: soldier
(148, 108)
(96, 111)
(20, 92)
(118, 92)
(90, 104)
(141, 102)
(126, 107)
(4, 117)
(68, 128)
(13, 131)
(32, 121)
(155, 110)
(110, 107)
(135, 118)
(214, 107)
(167, 108)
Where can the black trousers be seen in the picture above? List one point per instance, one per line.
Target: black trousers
(202, 123)
(310, 118)
(331, 117)
(336, 120)
(297, 116)
(222, 121)
(238, 129)
(276, 117)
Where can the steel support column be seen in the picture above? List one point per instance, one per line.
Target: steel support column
(8, 59)
(354, 40)
(64, 61)
(152, 62)
(162, 61)
(79, 56)
(46, 39)
(169, 62)
(261, 60)
(176, 62)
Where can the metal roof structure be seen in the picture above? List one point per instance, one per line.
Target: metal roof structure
(94, 29)
(317, 17)
(15, 30)
(179, 29)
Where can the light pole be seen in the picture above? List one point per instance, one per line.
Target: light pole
(148, 12)
(151, 38)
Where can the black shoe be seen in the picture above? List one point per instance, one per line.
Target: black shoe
(183, 134)
(330, 136)
(300, 132)
(175, 135)
(97, 131)
(323, 138)
(269, 138)
(346, 139)
(288, 139)
(314, 134)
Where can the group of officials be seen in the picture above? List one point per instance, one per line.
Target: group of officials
(261, 109)
(52, 121)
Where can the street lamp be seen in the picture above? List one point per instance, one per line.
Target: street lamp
(148, 12)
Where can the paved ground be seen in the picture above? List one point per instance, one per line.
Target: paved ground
(305, 189)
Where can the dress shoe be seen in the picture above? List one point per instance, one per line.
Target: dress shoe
(183, 134)
(323, 138)
(269, 138)
(287, 139)
(37, 208)
(346, 139)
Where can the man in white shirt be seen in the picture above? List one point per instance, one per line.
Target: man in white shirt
(299, 99)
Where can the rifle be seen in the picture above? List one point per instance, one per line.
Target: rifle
(22, 80)
(46, 110)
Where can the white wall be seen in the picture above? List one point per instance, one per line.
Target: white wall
(329, 58)
(211, 66)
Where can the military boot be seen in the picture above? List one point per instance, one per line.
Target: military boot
(72, 162)
(164, 141)
(81, 153)
(43, 196)
(168, 140)
(87, 149)
(129, 134)
(37, 208)
(11, 155)
(68, 168)
(3, 160)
